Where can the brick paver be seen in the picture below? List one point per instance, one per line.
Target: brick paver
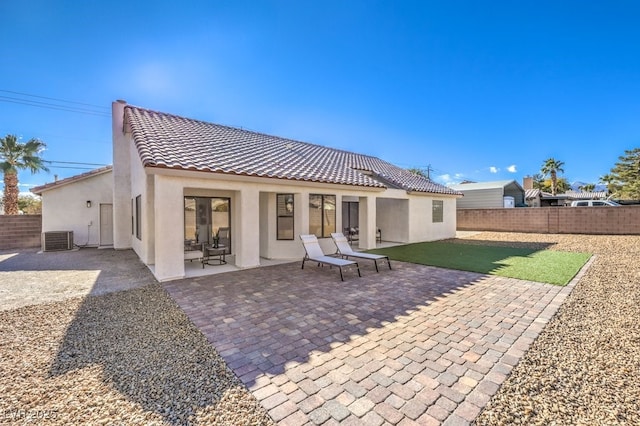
(412, 344)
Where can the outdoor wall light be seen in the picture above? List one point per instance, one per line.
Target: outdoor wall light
(88, 204)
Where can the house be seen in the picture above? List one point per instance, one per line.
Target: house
(176, 180)
(538, 198)
(81, 204)
(490, 195)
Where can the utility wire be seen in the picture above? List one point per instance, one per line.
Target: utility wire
(47, 105)
(73, 162)
(55, 99)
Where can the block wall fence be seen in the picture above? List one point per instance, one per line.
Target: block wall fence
(20, 231)
(623, 220)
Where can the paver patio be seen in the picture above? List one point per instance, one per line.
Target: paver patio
(412, 345)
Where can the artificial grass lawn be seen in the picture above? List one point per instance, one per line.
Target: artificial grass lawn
(545, 266)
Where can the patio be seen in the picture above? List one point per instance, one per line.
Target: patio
(416, 343)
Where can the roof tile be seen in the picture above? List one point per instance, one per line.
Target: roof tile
(165, 140)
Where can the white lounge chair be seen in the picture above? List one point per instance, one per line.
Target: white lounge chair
(344, 250)
(314, 253)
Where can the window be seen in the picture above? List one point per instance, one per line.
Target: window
(139, 217)
(437, 211)
(133, 227)
(284, 213)
(208, 220)
(322, 215)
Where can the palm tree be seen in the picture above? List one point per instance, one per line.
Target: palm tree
(15, 156)
(551, 167)
(611, 181)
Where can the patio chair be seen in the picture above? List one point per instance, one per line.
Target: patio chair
(193, 251)
(314, 253)
(345, 250)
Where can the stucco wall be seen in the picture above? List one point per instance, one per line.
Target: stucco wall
(64, 208)
(623, 220)
(421, 225)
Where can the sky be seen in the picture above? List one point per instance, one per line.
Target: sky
(468, 90)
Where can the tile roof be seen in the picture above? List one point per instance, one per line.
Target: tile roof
(40, 189)
(597, 195)
(170, 141)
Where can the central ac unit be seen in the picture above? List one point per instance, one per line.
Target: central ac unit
(57, 240)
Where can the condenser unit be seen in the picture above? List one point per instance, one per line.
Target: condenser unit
(57, 240)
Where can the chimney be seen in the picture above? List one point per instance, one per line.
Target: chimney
(527, 182)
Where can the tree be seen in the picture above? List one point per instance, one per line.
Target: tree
(16, 156)
(587, 187)
(612, 183)
(562, 185)
(538, 181)
(551, 168)
(419, 172)
(30, 204)
(627, 174)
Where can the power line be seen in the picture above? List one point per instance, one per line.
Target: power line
(51, 106)
(69, 167)
(73, 162)
(54, 99)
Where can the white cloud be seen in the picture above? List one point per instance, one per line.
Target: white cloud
(493, 169)
(447, 179)
(512, 168)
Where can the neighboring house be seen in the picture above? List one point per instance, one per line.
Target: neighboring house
(490, 195)
(538, 198)
(533, 197)
(82, 204)
(178, 180)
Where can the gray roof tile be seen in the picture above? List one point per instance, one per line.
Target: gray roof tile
(165, 140)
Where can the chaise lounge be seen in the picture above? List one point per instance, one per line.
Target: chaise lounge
(314, 253)
(345, 250)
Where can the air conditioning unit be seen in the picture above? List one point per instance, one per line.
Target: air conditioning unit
(57, 240)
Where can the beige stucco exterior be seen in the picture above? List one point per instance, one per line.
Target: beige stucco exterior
(64, 208)
(403, 217)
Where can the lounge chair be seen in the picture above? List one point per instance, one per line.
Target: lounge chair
(344, 250)
(314, 253)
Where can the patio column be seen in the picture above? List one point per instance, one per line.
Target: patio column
(247, 247)
(169, 229)
(367, 222)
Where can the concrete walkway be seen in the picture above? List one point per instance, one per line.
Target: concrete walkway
(414, 345)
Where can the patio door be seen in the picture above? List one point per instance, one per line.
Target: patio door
(208, 220)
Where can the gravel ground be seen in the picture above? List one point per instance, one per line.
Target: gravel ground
(584, 368)
(128, 357)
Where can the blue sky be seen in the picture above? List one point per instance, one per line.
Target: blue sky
(474, 90)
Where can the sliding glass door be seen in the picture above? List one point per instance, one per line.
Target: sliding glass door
(208, 220)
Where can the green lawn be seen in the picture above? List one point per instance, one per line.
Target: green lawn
(546, 266)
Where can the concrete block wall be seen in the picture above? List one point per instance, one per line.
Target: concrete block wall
(20, 231)
(623, 220)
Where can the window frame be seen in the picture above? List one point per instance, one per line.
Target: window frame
(139, 217)
(323, 197)
(437, 211)
(285, 215)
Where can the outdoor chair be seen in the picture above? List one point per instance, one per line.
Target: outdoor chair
(314, 253)
(345, 250)
(192, 251)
